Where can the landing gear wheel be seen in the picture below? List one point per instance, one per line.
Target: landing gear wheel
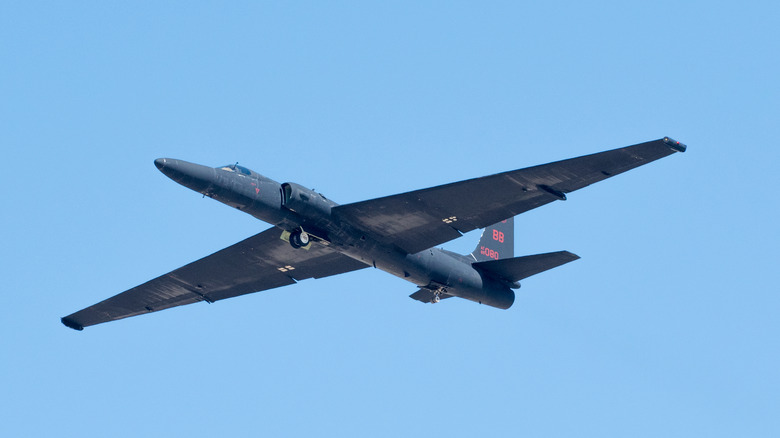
(299, 238)
(435, 298)
(304, 238)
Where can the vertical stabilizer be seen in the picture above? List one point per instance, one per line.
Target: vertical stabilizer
(497, 242)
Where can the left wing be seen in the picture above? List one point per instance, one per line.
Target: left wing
(261, 262)
(422, 219)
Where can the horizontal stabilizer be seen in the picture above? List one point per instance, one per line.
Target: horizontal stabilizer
(518, 268)
(426, 295)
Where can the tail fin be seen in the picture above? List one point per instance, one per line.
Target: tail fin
(497, 242)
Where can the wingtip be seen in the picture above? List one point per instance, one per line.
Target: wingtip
(675, 145)
(71, 324)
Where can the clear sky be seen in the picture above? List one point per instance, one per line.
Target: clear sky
(667, 326)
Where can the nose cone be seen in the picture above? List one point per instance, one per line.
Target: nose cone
(191, 175)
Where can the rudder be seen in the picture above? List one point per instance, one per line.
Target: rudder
(497, 242)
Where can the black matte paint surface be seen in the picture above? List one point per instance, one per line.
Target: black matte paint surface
(394, 233)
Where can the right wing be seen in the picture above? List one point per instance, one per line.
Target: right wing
(422, 219)
(261, 262)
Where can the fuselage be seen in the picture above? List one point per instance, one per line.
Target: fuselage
(295, 209)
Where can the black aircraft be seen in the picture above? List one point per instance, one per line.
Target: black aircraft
(314, 237)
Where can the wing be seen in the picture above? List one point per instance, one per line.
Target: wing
(422, 219)
(261, 262)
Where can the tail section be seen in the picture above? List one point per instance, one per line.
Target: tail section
(495, 255)
(497, 242)
(515, 269)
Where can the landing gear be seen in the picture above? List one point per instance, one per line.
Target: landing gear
(436, 298)
(299, 238)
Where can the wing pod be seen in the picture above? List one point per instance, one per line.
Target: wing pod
(675, 145)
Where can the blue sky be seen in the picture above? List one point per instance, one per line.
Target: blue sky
(667, 325)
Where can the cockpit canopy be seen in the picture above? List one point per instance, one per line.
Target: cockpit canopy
(236, 168)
